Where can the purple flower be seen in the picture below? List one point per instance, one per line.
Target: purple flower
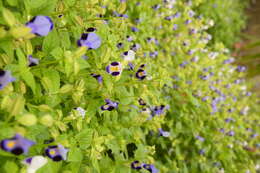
(159, 110)
(134, 29)
(40, 25)
(241, 68)
(175, 27)
(5, 78)
(16, 145)
(231, 133)
(141, 102)
(163, 133)
(200, 138)
(56, 152)
(109, 106)
(114, 68)
(135, 47)
(141, 74)
(32, 61)
(136, 165)
(90, 40)
(98, 77)
(151, 168)
(129, 38)
(156, 6)
(119, 45)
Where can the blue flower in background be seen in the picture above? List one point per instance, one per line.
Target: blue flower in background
(151, 168)
(98, 77)
(56, 152)
(90, 40)
(32, 61)
(5, 78)
(40, 25)
(109, 106)
(16, 145)
(163, 133)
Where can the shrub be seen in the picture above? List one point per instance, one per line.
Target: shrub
(150, 94)
(229, 18)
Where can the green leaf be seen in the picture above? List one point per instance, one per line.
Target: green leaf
(28, 77)
(75, 155)
(10, 167)
(51, 41)
(84, 138)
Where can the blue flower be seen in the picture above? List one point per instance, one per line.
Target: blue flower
(114, 68)
(109, 106)
(151, 168)
(163, 133)
(32, 61)
(98, 77)
(56, 152)
(40, 25)
(16, 145)
(90, 40)
(5, 78)
(136, 165)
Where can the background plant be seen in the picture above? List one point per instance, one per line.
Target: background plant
(209, 119)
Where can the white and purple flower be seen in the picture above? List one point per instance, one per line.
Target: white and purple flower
(56, 152)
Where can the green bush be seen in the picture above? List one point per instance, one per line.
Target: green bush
(178, 106)
(229, 17)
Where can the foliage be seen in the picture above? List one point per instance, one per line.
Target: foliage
(209, 118)
(229, 17)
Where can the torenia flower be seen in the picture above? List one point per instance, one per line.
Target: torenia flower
(136, 165)
(159, 110)
(163, 133)
(151, 168)
(56, 153)
(129, 55)
(34, 163)
(16, 145)
(5, 78)
(40, 25)
(32, 61)
(110, 105)
(90, 40)
(98, 77)
(114, 68)
(141, 73)
(81, 111)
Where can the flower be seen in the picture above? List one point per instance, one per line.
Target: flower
(81, 111)
(90, 40)
(141, 74)
(163, 133)
(16, 145)
(109, 106)
(114, 68)
(136, 165)
(5, 78)
(141, 102)
(40, 25)
(98, 77)
(119, 45)
(159, 110)
(34, 163)
(56, 152)
(129, 55)
(32, 61)
(150, 167)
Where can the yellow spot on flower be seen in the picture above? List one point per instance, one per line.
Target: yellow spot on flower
(52, 152)
(115, 68)
(10, 144)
